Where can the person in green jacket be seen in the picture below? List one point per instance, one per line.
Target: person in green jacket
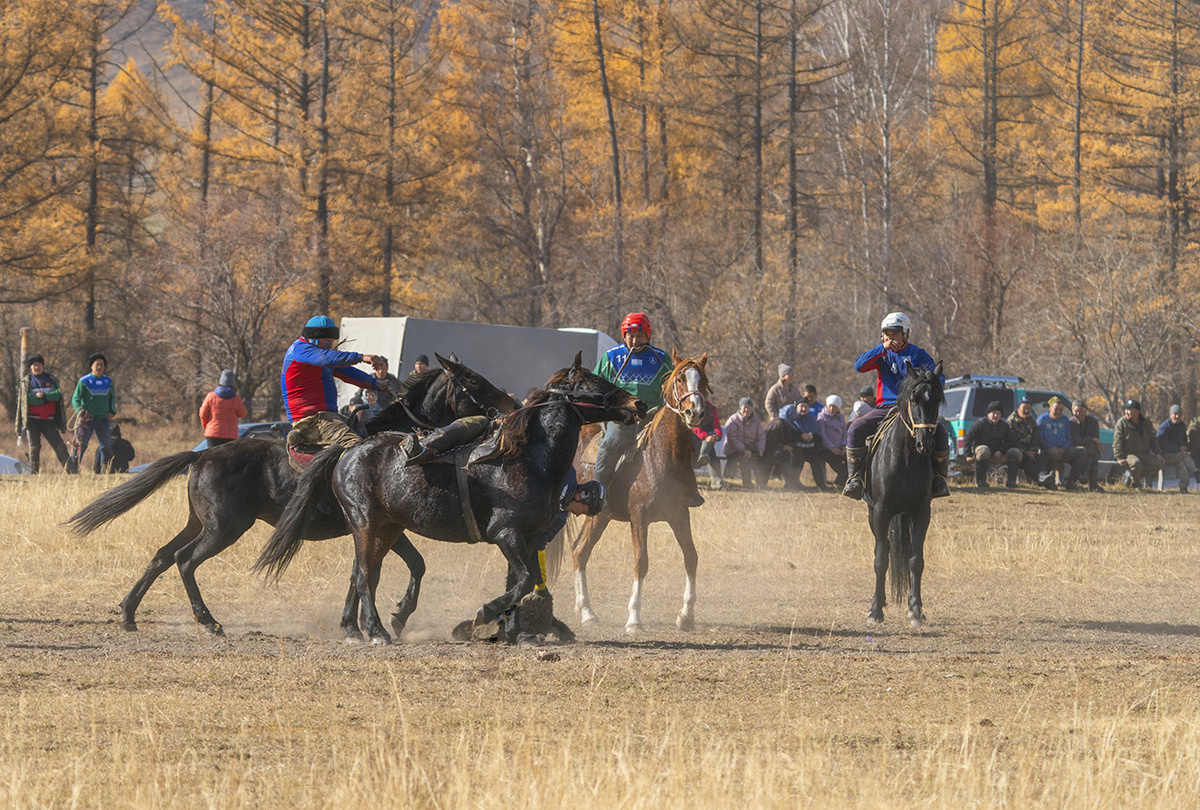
(640, 369)
(1135, 444)
(40, 411)
(95, 404)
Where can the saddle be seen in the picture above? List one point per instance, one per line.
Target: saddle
(873, 442)
(300, 456)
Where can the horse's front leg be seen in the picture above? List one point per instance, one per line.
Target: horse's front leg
(527, 576)
(916, 566)
(641, 566)
(416, 570)
(581, 553)
(370, 550)
(879, 528)
(681, 525)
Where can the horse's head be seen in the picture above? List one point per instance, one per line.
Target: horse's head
(471, 394)
(596, 399)
(920, 400)
(686, 390)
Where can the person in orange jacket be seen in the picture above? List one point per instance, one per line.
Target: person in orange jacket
(221, 410)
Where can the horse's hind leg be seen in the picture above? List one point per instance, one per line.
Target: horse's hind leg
(217, 536)
(879, 528)
(416, 570)
(682, 526)
(641, 566)
(162, 560)
(581, 553)
(349, 623)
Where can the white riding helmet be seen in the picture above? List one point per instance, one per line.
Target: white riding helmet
(833, 399)
(896, 321)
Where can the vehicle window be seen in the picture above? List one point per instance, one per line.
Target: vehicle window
(954, 403)
(985, 397)
(1041, 400)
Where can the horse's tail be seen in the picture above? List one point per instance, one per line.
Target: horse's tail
(299, 513)
(899, 550)
(119, 500)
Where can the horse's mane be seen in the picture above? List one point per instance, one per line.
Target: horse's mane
(667, 385)
(514, 429)
(418, 381)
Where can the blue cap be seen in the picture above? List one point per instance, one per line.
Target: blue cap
(320, 326)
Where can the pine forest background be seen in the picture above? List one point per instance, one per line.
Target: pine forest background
(182, 184)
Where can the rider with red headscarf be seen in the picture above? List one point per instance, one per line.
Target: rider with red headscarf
(640, 369)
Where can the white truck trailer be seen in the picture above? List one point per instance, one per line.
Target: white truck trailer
(515, 358)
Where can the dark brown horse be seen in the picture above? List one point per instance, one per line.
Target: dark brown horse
(232, 486)
(659, 486)
(507, 500)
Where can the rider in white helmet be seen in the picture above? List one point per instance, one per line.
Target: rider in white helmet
(888, 360)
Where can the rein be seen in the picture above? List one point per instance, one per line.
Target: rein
(910, 423)
(687, 394)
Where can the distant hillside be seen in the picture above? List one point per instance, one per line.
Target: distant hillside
(143, 37)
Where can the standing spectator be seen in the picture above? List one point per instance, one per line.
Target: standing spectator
(865, 402)
(421, 364)
(833, 434)
(1054, 432)
(1135, 445)
(705, 444)
(991, 441)
(745, 441)
(95, 403)
(1025, 433)
(40, 411)
(806, 444)
(815, 406)
(784, 392)
(221, 410)
(1085, 433)
(122, 454)
(1172, 440)
(386, 392)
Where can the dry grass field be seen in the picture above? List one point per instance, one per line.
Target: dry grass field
(1060, 666)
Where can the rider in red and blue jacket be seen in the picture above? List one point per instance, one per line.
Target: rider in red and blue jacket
(306, 380)
(890, 361)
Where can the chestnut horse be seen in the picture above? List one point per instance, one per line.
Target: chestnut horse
(658, 485)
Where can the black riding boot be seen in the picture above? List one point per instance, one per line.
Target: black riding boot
(981, 474)
(1011, 481)
(941, 475)
(439, 441)
(855, 456)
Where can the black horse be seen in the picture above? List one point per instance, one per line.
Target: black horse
(233, 485)
(510, 499)
(900, 489)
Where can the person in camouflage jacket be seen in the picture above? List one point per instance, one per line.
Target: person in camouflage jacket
(1025, 431)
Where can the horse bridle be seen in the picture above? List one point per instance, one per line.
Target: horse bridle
(489, 411)
(687, 394)
(910, 424)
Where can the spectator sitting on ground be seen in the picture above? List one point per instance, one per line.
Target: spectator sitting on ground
(784, 392)
(865, 402)
(815, 406)
(806, 444)
(1085, 433)
(991, 441)
(1135, 445)
(704, 443)
(745, 441)
(1172, 440)
(1025, 433)
(1054, 432)
(221, 410)
(833, 435)
(122, 454)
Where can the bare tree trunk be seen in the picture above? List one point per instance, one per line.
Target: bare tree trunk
(618, 211)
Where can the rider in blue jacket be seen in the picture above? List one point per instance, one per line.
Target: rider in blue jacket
(890, 361)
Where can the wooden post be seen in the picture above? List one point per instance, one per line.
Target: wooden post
(26, 336)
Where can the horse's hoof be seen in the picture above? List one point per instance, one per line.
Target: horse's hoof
(353, 637)
(586, 616)
(397, 626)
(916, 623)
(382, 640)
(129, 625)
(215, 629)
(462, 631)
(872, 619)
(528, 640)
(633, 628)
(685, 623)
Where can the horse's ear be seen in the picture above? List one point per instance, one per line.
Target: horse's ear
(578, 364)
(452, 365)
(675, 357)
(703, 361)
(937, 370)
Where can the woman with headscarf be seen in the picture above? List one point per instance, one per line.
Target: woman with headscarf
(221, 410)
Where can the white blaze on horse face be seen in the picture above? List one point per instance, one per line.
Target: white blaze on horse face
(692, 403)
